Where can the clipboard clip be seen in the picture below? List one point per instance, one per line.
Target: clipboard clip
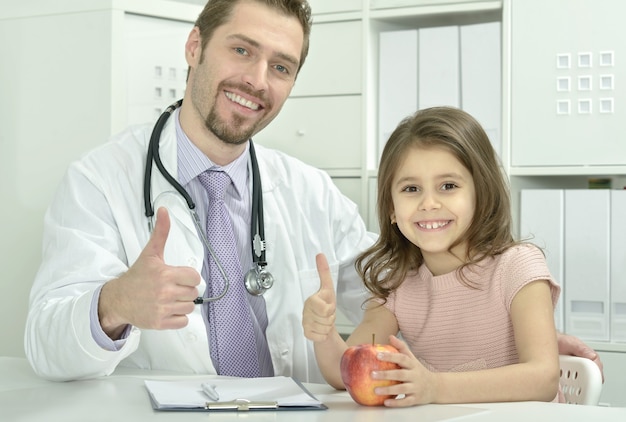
(241, 405)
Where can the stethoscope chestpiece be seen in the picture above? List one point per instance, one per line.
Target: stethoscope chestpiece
(258, 280)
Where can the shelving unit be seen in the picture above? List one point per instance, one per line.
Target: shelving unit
(339, 91)
(561, 132)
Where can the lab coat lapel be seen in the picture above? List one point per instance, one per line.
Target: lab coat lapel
(183, 241)
(169, 157)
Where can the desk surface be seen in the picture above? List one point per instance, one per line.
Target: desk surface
(26, 397)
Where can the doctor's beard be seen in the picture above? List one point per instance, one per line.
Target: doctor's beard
(231, 132)
(234, 132)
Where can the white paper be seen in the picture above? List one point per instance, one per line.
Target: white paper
(188, 394)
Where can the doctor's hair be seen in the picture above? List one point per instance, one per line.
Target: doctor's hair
(217, 12)
(386, 264)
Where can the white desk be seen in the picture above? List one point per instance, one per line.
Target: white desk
(123, 397)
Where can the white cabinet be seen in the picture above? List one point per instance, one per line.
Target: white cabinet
(566, 128)
(156, 70)
(322, 131)
(562, 127)
(64, 80)
(569, 88)
(334, 63)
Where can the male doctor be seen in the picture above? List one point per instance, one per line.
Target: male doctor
(109, 292)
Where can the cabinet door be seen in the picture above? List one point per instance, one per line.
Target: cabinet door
(568, 84)
(587, 263)
(333, 66)
(156, 67)
(322, 131)
(542, 219)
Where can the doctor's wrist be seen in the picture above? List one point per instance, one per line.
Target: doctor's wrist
(112, 325)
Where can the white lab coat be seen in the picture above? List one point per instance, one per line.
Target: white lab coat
(95, 229)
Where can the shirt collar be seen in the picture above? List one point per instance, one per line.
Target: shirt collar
(192, 161)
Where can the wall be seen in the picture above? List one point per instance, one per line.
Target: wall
(63, 83)
(44, 126)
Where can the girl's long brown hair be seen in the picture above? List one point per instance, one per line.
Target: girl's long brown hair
(385, 265)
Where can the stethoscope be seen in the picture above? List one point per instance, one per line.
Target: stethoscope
(258, 280)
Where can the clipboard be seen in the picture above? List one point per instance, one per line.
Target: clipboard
(235, 394)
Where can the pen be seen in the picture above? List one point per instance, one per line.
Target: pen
(210, 391)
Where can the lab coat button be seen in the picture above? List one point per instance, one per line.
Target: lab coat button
(192, 338)
(192, 262)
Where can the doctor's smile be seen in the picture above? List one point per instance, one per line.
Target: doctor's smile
(242, 101)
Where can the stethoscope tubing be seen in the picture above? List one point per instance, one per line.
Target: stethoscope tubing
(257, 227)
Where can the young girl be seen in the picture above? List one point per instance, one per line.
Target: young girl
(474, 307)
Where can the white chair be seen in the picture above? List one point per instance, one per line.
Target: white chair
(581, 380)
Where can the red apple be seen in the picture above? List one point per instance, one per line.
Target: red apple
(357, 364)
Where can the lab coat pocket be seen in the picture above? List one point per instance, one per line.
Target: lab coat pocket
(310, 280)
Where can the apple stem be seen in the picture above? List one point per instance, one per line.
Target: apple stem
(373, 339)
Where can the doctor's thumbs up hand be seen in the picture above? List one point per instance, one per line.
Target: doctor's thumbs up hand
(151, 294)
(318, 316)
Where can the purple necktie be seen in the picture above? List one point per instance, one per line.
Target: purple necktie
(231, 331)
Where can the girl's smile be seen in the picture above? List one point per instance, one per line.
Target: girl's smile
(433, 225)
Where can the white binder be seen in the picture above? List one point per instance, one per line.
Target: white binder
(397, 87)
(618, 266)
(587, 226)
(439, 67)
(542, 223)
(481, 90)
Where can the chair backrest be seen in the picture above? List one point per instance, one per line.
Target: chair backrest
(581, 380)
